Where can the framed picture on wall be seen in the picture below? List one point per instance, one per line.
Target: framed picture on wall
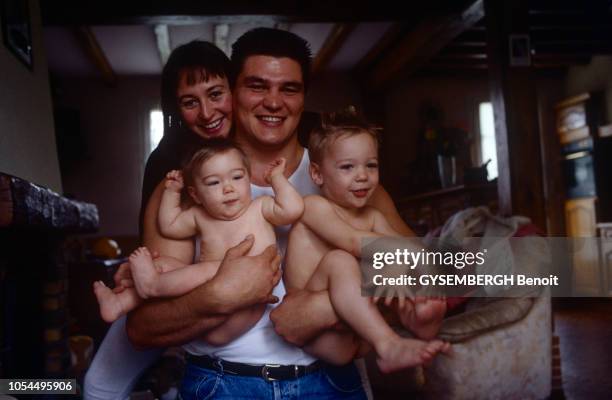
(16, 31)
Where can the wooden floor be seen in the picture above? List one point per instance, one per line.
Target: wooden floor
(584, 327)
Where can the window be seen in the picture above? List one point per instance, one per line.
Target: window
(488, 149)
(156, 129)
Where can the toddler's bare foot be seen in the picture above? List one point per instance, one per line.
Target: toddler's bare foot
(110, 306)
(423, 317)
(144, 272)
(401, 353)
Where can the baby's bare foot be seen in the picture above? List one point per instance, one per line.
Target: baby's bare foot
(404, 353)
(144, 272)
(110, 306)
(423, 317)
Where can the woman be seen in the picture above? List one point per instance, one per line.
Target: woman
(197, 105)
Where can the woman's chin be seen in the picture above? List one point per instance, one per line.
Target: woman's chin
(223, 132)
(214, 135)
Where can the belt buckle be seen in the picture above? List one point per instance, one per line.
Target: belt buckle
(265, 372)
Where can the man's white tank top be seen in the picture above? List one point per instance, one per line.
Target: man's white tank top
(261, 344)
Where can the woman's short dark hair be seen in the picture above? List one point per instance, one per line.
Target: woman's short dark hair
(275, 43)
(201, 60)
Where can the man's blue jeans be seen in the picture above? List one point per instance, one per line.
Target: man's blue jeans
(326, 383)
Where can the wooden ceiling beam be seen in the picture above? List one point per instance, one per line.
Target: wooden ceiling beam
(389, 37)
(547, 35)
(221, 34)
(573, 48)
(435, 66)
(422, 43)
(162, 38)
(336, 38)
(458, 56)
(96, 55)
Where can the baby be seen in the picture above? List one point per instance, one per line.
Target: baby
(223, 214)
(324, 243)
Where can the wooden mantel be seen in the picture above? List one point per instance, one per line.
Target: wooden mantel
(26, 205)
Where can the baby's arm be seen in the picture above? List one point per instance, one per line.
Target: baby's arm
(174, 222)
(287, 205)
(321, 218)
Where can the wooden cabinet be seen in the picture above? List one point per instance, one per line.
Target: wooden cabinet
(587, 162)
(580, 220)
(426, 211)
(605, 256)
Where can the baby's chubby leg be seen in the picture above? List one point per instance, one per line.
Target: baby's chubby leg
(339, 271)
(145, 274)
(114, 305)
(178, 280)
(339, 346)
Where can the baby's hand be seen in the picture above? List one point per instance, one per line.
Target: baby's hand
(277, 167)
(174, 180)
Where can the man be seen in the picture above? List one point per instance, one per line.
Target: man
(272, 75)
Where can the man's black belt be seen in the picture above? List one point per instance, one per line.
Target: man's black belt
(269, 372)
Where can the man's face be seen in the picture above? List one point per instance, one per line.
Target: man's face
(268, 99)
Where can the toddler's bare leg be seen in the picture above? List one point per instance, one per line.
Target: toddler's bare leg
(339, 271)
(424, 317)
(114, 305)
(338, 348)
(150, 283)
(235, 326)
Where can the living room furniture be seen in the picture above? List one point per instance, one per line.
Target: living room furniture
(426, 211)
(501, 349)
(34, 328)
(586, 162)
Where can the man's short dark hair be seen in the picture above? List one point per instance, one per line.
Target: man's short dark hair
(275, 43)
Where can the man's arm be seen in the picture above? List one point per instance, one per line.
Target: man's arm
(167, 322)
(382, 202)
(303, 315)
(175, 321)
(382, 226)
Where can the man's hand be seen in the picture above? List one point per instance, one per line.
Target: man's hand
(303, 315)
(243, 280)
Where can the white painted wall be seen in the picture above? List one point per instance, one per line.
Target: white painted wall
(27, 138)
(113, 122)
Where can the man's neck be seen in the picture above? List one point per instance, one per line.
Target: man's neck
(261, 157)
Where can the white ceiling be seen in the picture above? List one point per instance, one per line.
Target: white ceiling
(132, 49)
